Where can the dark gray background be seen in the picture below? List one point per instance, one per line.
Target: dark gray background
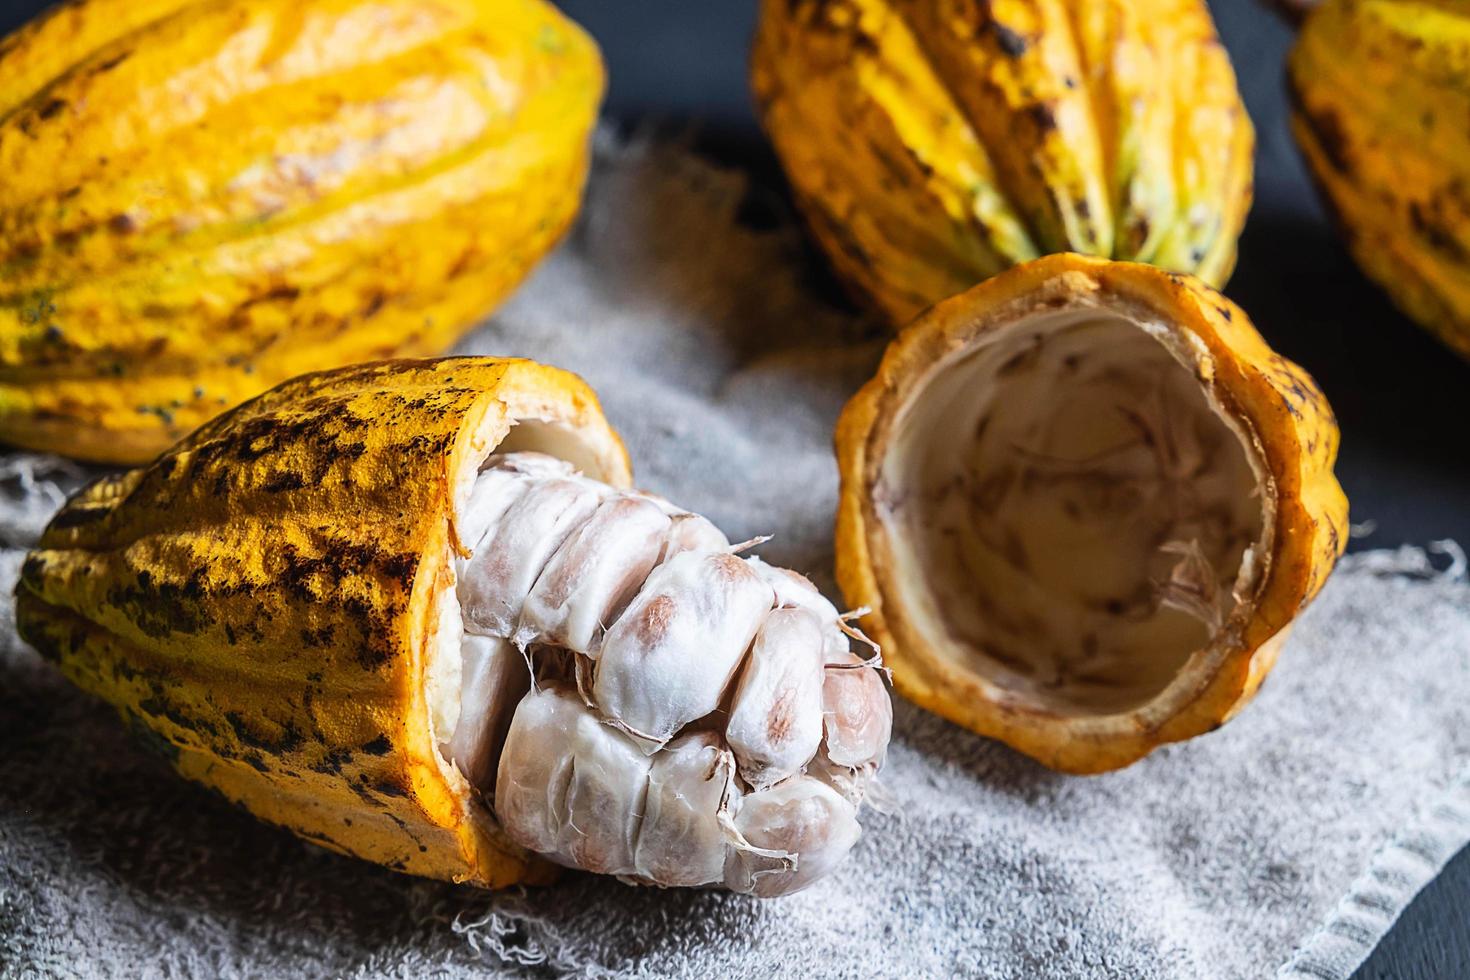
(1400, 397)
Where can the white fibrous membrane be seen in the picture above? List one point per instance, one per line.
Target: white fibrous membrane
(691, 791)
(637, 699)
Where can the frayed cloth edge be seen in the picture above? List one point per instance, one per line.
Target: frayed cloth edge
(1418, 853)
(1374, 902)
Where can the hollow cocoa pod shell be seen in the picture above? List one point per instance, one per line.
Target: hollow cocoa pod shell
(203, 200)
(1085, 501)
(931, 145)
(1378, 97)
(262, 602)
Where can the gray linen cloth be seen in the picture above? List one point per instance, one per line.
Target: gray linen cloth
(1284, 843)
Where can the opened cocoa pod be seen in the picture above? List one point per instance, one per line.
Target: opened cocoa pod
(410, 611)
(1085, 501)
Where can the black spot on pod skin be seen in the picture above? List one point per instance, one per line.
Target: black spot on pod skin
(378, 746)
(333, 761)
(316, 838)
(387, 786)
(161, 609)
(1291, 406)
(156, 707)
(1439, 237)
(318, 638)
(78, 516)
(243, 731)
(291, 739)
(282, 481)
(33, 569)
(1327, 130)
(371, 657)
(401, 568)
(1012, 43)
(1139, 230)
(864, 43)
(1042, 115)
(112, 62)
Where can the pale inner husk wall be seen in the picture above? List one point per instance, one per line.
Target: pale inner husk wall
(1071, 516)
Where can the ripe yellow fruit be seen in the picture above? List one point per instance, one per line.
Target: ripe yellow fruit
(201, 200)
(932, 145)
(1085, 502)
(1379, 104)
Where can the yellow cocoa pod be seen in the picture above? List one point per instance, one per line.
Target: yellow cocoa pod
(201, 200)
(266, 599)
(932, 145)
(1379, 103)
(1085, 502)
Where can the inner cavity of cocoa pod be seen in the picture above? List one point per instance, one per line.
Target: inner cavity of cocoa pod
(1072, 513)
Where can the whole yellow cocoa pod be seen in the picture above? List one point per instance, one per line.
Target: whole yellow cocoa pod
(1379, 104)
(932, 145)
(202, 199)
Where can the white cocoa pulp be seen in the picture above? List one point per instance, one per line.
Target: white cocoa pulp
(631, 697)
